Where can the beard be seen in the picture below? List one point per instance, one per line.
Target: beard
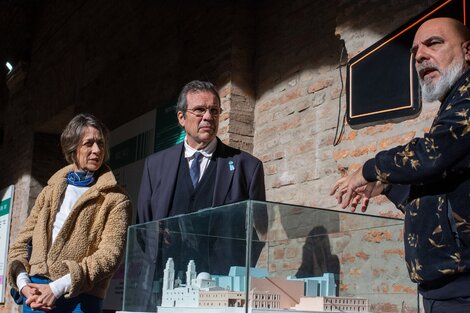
(436, 91)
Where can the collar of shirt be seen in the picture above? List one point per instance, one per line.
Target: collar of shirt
(207, 152)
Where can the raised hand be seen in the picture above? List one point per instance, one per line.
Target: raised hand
(345, 187)
(364, 193)
(354, 189)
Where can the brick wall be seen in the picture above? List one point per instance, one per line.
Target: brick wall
(298, 89)
(298, 97)
(276, 64)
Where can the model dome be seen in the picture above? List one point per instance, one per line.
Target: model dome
(204, 275)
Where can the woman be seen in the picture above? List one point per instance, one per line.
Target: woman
(77, 228)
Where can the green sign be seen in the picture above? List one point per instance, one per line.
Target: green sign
(168, 131)
(167, 134)
(5, 207)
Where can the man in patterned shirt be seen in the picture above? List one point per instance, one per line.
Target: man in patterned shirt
(429, 177)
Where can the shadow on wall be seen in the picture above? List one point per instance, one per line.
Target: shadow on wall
(317, 258)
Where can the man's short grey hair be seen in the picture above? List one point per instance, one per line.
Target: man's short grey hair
(194, 86)
(73, 132)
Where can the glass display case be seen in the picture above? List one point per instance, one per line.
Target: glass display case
(256, 256)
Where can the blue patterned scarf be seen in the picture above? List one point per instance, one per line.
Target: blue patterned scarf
(80, 179)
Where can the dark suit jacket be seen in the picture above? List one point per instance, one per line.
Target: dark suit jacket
(239, 176)
(245, 182)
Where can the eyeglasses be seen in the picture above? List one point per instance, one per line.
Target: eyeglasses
(199, 112)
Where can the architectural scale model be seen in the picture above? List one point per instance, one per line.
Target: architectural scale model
(203, 293)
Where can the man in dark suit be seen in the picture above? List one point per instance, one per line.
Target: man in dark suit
(199, 173)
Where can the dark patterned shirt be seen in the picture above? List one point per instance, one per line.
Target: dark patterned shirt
(430, 183)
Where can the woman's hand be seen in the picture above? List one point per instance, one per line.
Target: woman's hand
(43, 298)
(29, 292)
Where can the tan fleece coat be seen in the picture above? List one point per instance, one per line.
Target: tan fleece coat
(91, 242)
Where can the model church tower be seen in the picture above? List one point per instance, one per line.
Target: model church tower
(190, 273)
(169, 275)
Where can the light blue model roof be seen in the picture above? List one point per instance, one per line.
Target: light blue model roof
(237, 271)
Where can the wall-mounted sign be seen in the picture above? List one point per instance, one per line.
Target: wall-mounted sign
(382, 84)
(168, 131)
(6, 203)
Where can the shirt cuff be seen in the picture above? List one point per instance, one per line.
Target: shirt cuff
(368, 170)
(22, 280)
(60, 286)
(398, 194)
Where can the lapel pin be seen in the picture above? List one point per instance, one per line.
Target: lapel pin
(231, 166)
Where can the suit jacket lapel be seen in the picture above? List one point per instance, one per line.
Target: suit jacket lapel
(224, 174)
(169, 175)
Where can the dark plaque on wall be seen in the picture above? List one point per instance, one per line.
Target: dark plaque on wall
(382, 84)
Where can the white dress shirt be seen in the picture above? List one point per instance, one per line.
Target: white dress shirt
(207, 153)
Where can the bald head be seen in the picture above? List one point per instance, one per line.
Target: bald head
(461, 30)
(442, 55)
(452, 26)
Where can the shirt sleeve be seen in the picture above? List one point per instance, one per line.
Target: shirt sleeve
(22, 280)
(443, 149)
(60, 286)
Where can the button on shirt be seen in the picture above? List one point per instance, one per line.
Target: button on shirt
(207, 153)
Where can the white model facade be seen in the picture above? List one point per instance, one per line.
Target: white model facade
(274, 294)
(185, 295)
(202, 291)
(332, 304)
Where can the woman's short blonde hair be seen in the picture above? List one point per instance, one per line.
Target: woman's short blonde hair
(73, 132)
